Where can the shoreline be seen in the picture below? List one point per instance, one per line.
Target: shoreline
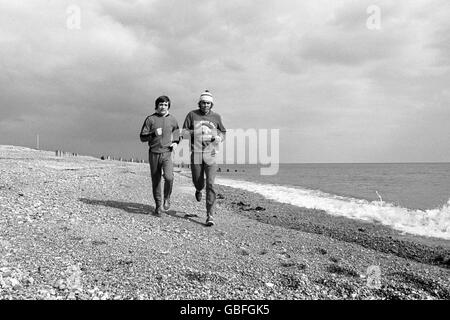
(430, 250)
(427, 192)
(374, 236)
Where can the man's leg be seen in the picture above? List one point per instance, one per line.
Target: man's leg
(167, 167)
(198, 171)
(155, 170)
(210, 171)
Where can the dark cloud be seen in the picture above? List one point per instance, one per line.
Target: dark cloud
(303, 66)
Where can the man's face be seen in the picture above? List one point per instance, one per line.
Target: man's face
(205, 106)
(163, 108)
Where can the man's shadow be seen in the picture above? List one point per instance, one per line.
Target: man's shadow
(185, 216)
(136, 208)
(130, 207)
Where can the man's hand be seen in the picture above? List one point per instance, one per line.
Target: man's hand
(207, 137)
(218, 139)
(174, 146)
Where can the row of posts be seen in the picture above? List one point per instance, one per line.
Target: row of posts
(60, 153)
(183, 165)
(122, 159)
(178, 165)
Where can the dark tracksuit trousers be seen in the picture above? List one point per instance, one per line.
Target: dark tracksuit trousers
(161, 161)
(204, 164)
(160, 156)
(203, 161)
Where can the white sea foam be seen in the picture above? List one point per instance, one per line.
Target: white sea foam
(432, 223)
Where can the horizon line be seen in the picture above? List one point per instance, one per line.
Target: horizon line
(260, 164)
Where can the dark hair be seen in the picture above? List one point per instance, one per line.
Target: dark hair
(162, 99)
(212, 104)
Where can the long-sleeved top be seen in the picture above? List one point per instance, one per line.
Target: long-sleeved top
(170, 132)
(193, 124)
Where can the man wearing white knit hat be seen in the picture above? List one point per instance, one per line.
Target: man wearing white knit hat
(206, 131)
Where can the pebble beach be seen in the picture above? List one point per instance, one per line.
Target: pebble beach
(81, 228)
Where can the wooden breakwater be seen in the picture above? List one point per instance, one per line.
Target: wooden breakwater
(62, 153)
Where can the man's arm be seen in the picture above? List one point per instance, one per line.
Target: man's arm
(221, 131)
(188, 126)
(147, 133)
(177, 137)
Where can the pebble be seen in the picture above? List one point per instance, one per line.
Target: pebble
(243, 251)
(105, 296)
(15, 284)
(58, 283)
(304, 278)
(71, 296)
(7, 274)
(30, 281)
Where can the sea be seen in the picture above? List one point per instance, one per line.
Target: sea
(410, 197)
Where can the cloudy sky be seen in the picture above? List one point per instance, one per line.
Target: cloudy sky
(338, 90)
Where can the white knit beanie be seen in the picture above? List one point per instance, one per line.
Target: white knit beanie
(206, 96)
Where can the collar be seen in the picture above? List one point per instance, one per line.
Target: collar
(205, 114)
(160, 115)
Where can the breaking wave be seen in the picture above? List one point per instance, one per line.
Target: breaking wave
(431, 223)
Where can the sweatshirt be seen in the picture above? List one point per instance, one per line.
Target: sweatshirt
(170, 132)
(195, 120)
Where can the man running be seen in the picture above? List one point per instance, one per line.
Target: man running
(206, 132)
(161, 132)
